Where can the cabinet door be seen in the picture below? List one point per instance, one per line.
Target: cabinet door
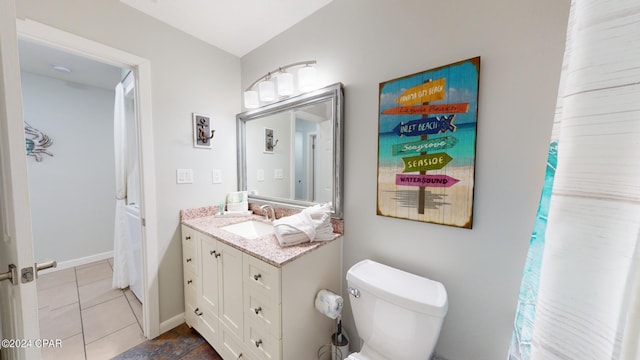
(209, 294)
(231, 309)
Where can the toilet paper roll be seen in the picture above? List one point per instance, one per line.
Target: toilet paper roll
(329, 303)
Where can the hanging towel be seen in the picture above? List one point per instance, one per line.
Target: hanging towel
(329, 303)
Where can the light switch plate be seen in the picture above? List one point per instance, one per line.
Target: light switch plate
(184, 176)
(216, 176)
(277, 174)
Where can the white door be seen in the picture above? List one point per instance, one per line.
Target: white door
(18, 303)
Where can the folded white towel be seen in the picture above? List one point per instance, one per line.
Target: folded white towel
(289, 228)
(311, 224)
(292, 238)
(324, 234)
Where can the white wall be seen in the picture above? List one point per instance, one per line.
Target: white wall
(187, 75)
(362, 43)
(78, 181)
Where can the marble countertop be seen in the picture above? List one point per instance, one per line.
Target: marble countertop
(266, 248)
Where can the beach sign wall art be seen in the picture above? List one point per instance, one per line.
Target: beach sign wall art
(427, 145)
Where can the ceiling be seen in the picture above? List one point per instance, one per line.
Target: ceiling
(236, 26)
(40, 59)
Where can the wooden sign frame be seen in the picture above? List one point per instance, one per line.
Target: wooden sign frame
(427, 145)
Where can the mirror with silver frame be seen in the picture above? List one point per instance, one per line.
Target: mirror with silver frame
(290, 152)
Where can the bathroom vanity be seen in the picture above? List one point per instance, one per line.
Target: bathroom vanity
(252, 298)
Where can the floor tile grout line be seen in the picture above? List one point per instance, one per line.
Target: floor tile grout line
(82, 318)
(133, 312)
(100, 303)
(124, 327)
(111, 333)
(84, 345)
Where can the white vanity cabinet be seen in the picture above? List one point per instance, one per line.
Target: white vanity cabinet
(247, 308)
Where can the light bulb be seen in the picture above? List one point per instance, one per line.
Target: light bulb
(251, 99)
(267, 91)
(306, 78)
(285, 84)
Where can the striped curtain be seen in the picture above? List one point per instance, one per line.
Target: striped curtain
(584, 300)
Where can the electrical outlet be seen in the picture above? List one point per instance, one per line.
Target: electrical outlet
(216, 176)
(260, 175)
(184, 176)
(277, 174)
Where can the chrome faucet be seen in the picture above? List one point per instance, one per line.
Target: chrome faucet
(269, 212)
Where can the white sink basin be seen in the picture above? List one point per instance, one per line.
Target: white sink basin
(250, 229)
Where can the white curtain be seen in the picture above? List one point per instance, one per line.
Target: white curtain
(588, 303)
(120, 272)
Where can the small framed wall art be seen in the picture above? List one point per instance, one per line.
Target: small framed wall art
(202, 132)
(427, 145)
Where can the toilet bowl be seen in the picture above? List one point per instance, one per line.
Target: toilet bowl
(398, 315)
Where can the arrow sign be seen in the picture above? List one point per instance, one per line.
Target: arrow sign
(428, 109)
(433, 144)
(426, 162)
(426, 180)
(430, 91)
(430, 125)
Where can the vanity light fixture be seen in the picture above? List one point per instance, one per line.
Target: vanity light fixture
(266, 89)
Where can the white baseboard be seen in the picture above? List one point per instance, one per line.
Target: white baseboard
(171, 323)
(80, 261)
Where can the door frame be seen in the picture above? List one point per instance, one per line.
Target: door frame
(18, 303)
(53, 37)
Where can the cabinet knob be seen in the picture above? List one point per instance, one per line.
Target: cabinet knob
(257, 276)
(188, 259)
(257, 310)
(188, 238)
(189, 281)
(198, 312)
(240, 356)
(258, 343)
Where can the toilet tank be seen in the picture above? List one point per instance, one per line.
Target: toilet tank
(398, 315)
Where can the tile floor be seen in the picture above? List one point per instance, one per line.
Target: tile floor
(93, 320)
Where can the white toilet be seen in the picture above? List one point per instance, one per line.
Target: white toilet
(398, 315)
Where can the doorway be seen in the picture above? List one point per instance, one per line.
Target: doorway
(68, 104)
(72, 44)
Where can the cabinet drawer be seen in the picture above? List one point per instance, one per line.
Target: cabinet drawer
(188, 235)
(190, 286)
(232, 347)
(261, 312)
(190, 316)
(208, 326)
(261, 276)
(262, 345)
(189, 261)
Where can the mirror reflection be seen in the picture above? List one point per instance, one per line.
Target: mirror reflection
(290, 152)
